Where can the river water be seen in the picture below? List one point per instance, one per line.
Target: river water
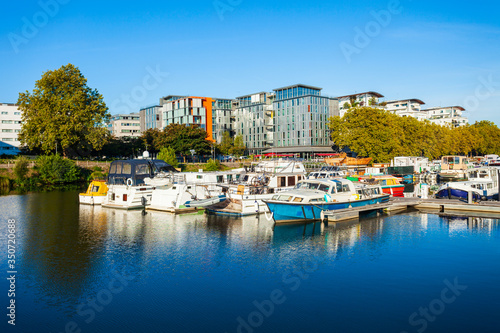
(91, 269)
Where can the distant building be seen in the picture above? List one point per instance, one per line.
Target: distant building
(254, 121)
(202, 111)
(125, 125)
(450, 115)
(10, 124)
(369, 98)
(406, 108)
(150, 118)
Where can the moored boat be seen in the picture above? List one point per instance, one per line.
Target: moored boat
(312, 197)
(95, 194)
(453, 168)
(127, 182)
(482, 182)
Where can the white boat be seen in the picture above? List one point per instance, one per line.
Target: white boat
(127, 188)
(173, 191)
(206, 202)
(419, 164)
(482, 182)
(327, 172)
(260, 182)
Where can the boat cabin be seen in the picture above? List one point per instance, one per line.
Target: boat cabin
(454, 163)
(133, 172)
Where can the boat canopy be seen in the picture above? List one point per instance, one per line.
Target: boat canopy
(136, 170)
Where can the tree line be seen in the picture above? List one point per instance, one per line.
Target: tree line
(382, 135)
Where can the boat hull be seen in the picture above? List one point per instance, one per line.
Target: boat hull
(395, 191)
(454, 193)
(289, 212)
(91, 199)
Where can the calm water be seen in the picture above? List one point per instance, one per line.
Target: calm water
(84, 269)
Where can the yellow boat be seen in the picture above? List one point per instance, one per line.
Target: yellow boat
(96, 193)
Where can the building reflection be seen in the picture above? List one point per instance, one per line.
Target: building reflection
(471, 223)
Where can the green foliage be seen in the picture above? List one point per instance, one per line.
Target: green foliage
(63, 113)
(97, 173)
(238, 146)
(167, 154)
(382, 135)
(180, 137)
(212, 165)
(372, 101)
(122, 148)
(21, 169)
(55, 169)
(347, 105)
(226, 144)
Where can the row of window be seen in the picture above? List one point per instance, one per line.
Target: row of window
(16, 113)
(10, 139)
(11, 122)
(9, 130)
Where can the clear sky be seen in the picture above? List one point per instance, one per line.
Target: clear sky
(134, 52)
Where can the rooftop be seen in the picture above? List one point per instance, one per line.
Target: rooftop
(419, 101)
(376, 94)
(446, 107)
(298, 85)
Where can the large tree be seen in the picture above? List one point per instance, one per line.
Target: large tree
(63, 113)
(183, 139)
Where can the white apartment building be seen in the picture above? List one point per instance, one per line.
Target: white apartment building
(125, 125)
(406, 108)
(363, 99)
(10, 124)
(450, 115)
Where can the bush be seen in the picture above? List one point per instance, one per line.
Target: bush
(212, 165)
(55, 169)
(21, 169)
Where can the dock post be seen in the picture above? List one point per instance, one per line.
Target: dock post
(498, 184)
(469, 197)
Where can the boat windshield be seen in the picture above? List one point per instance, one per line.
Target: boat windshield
(307, 186)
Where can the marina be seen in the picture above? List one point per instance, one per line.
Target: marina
(172, 266)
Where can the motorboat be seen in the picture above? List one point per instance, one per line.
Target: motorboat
(95, 194)
(127, 186)
(310, 198)
(482, 182)
(258, 183)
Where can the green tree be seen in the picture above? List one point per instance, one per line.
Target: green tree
(167, 154)
(152, 140)
(238, 146)
(183, 139)
(63, 113)
(212, 165)
(226, 144)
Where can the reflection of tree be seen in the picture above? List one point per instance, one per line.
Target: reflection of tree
(60, 255)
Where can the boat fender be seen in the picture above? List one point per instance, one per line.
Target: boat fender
(129, 182)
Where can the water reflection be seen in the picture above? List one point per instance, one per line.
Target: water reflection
(469, 223)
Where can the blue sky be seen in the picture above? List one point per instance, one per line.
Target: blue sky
(134, 52)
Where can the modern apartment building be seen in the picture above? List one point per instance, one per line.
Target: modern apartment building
(10, 124)
(363, 99)
(125, 125)
(222, 117)
(211, 114)
(150, 117)
(254, 121)
(450, 115)
(406, 108)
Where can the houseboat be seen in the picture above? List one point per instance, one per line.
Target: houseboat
(454, 168)
(389, 184)
(311, 197)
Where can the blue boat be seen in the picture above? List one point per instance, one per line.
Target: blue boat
(312, 197)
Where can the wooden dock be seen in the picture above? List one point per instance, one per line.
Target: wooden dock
(483, 208)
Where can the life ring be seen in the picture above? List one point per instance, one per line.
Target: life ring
(130, 181)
